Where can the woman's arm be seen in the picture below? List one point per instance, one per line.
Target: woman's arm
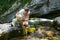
(27, 18)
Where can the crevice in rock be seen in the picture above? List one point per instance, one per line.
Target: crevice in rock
(50, 15)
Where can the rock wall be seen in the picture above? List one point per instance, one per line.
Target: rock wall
(42, 7)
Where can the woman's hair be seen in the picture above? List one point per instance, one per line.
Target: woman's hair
(26, 9)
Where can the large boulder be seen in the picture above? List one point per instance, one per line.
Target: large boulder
(42, 7)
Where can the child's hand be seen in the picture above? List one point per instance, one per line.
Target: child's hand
(25, 23)
(26, 19)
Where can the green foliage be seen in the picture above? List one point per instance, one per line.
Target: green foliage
(5, 5)
(23, 2)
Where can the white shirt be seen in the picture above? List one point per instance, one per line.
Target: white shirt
(22, 13)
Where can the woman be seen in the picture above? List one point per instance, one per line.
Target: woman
(22, 18)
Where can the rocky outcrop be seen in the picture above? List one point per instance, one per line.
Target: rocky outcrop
(42, 32)
(42, 7)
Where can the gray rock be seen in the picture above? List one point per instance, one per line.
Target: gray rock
(42, 7)
(57, 19)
